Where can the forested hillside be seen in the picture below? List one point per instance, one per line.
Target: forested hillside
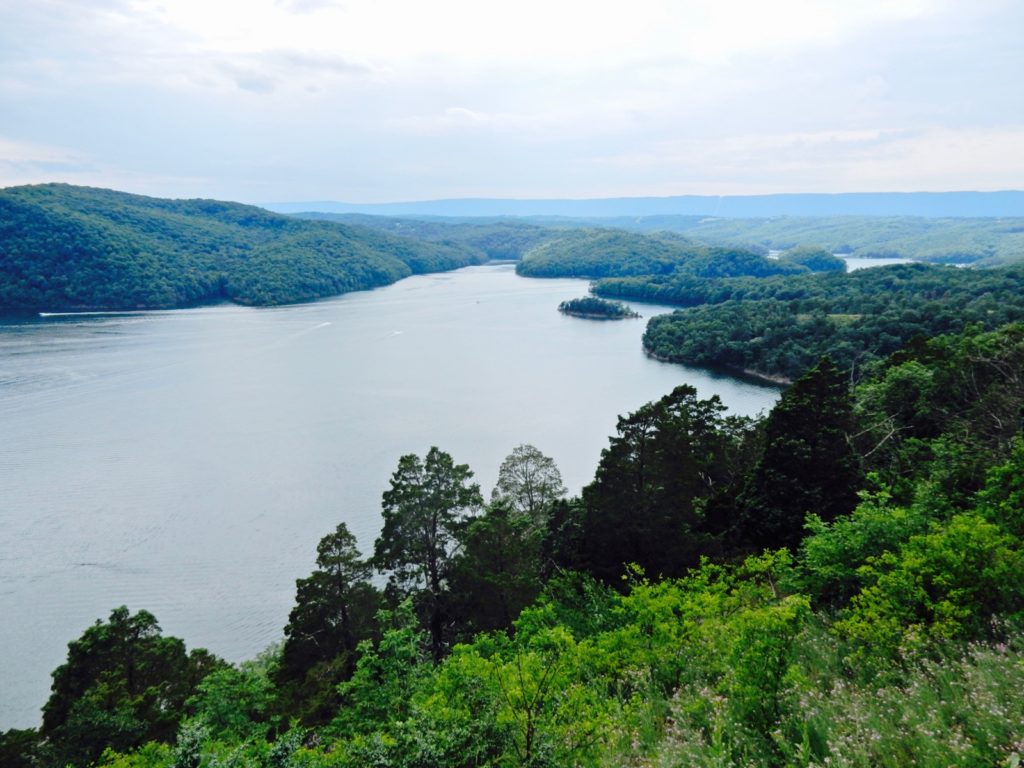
(597, 253)
(488, 238)
(836, 583)
(76, 248)
(777, 327)
(983, 241)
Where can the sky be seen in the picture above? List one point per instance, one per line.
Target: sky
(393, 100)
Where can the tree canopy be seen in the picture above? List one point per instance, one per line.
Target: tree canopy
(424, 511)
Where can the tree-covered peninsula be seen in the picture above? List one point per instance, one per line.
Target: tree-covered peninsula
(836, 583)
(66, 248)
(778, 327)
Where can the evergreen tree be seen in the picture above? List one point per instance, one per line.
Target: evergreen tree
(808, 464)
(334, 610)
(424, 512)
(646, 502)
(123, 684)
(497, 573)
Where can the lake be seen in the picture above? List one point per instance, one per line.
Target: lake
(188, 462)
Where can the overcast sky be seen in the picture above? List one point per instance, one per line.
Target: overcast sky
(388, 100)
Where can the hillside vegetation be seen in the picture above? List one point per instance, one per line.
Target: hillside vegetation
(778, 326)
(983, 241)
(499, 239)
(75, 248)
(834, 584)
(597, 253)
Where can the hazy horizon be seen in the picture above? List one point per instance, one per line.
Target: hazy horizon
(277, 100)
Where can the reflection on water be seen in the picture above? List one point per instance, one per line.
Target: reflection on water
(188, 462)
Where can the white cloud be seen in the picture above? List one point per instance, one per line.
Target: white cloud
(400, 99)
(25, 162)
(456, 121)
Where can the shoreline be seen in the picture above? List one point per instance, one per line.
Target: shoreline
(742, 373)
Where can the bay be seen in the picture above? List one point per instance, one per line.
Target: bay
(188, 462)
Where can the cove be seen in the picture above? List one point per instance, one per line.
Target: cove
(187, 462)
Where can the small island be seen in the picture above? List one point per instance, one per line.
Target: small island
(594, 308)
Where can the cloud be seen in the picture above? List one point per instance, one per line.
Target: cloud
(263, 72)
(254, 82)
(828, 161)
(456, 121)
(307, 6)
(317, 62)
(401, 99)
(23, 162)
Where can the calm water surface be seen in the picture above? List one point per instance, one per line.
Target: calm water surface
(853, 263)
(188, 462)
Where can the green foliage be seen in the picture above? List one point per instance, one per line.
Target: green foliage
(942, 585)
(152, 754)
(808, 464)
(18, 747)
(236, 703)
(943, 410)
(424, 512)
(530, 482)
(941, 240)
(334, 611)
(779, 327)
(646, 502)
(1002, 498)
(386, 674)
(123, 684)
(76, 248)
(963, 710)
(598, 253)
(484, 238)
(593, 307)
(497, 572)
(815, 258)
(831, 554)
(912, 652)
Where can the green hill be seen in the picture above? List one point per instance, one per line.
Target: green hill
(984, 241)
(488, 238)
(78, 248)
(598, 253)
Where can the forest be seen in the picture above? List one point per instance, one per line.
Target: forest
(65, 248)
(777, 328)
(835, 583)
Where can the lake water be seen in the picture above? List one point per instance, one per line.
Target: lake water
(188, 462)
(853, 263)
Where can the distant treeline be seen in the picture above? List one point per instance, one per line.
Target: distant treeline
(982, 241)
(487, 239)
(75, 248)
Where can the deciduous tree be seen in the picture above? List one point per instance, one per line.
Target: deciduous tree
(530, 482)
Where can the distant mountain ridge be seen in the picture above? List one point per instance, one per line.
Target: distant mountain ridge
(929, 204)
